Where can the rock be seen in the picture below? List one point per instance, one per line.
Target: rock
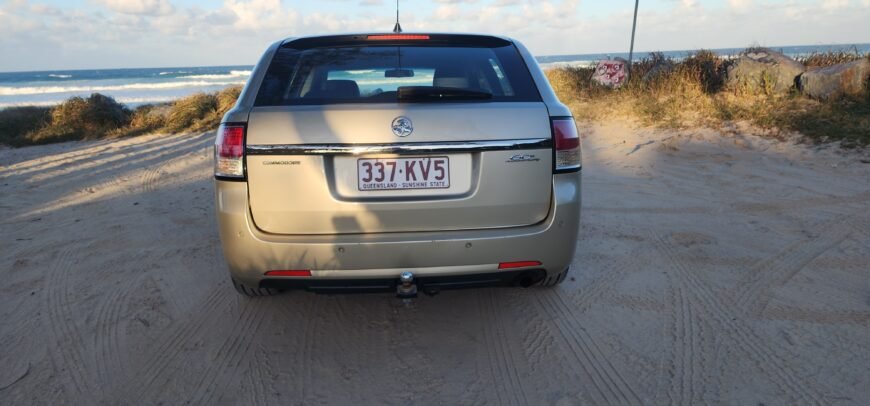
(764, 71)
(835, 81)
(611, 73)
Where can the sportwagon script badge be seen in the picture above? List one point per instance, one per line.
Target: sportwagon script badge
(402, 126)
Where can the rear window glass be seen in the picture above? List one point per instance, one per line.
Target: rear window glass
(396, 73)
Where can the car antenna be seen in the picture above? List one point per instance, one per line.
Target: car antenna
(398, 27)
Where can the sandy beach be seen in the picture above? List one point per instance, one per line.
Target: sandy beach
(711, 269)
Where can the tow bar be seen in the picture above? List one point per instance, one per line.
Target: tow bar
(406, 289)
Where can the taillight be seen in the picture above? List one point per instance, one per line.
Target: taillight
(567, 145)
(229, 151)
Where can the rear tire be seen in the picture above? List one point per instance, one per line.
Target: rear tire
(248, 291)
(554, 279)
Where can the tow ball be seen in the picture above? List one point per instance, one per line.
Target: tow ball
(406, 289)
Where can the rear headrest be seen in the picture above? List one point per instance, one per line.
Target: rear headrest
(336, 89)
(450, 76)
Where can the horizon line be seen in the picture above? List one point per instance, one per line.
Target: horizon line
(855, 44)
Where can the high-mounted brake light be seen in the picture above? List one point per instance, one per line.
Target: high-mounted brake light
(229, 151)
(393, 37)
(518, 264)
(293, 272)
(567, 145)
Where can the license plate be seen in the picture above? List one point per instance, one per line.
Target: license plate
(403, 173)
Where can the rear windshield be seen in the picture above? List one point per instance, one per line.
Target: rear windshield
(396, 73)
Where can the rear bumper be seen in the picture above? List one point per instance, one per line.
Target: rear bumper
(360, 260)
(425, 284)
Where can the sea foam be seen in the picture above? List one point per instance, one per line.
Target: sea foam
(28, 90)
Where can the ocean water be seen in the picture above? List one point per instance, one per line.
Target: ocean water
(129, 86)
(135, 87)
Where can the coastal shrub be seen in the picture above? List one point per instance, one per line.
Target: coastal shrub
(201, 111)
(79, 119)
(187, 114)
(707, 68)
(145, 119)
(823, 59)
(16, 122)
(100, 116)
(867, 83)
(226, 99)
(574, 80)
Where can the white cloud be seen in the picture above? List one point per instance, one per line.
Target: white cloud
(834, 4)
(261, 14)
(13, 5)
(45, 10)
(139, 7)
(740, 5)
(447, 12)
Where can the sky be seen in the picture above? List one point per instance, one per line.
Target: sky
(90, 34)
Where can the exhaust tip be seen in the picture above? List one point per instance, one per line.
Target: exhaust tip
(529, 278)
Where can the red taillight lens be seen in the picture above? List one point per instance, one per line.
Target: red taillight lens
(518, 264)
(229, 151)
(567, 144)
(294, 272)
(393, 37)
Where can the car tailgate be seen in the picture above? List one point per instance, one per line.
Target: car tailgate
(306, 166)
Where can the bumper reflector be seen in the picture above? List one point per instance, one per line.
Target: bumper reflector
(294, 272)
(518, 264)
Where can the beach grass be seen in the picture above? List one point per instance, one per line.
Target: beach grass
(16, 122)
(99, 117)
(692, 93)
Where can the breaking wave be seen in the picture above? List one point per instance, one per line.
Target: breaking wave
(29, 90)
(231, 75)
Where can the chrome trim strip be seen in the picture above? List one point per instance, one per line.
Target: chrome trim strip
(399, 148)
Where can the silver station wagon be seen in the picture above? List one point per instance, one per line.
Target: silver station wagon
(397, 162)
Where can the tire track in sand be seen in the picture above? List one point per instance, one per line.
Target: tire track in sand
(723, 318)
(608, 381)
(683, 366)
(169, 348)
(583, 346)
(110, 357)
(603, 290)
(817, 316)
(259, 379)
(799, 204)
(503, 361)
(152, 177)
(261, 382)
(305, 353)
(65, 339)
(754, 291)
(861, 225)
(223, 368)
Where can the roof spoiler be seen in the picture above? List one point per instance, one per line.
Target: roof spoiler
(466, 40)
